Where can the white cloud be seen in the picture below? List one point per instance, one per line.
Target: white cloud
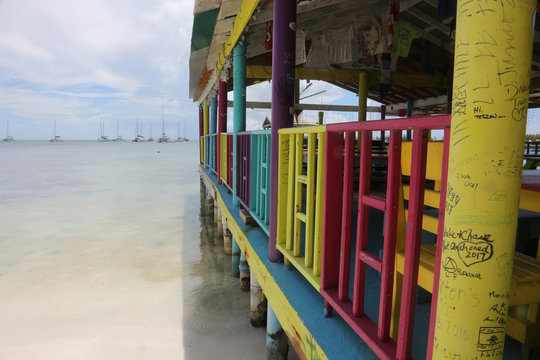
(123, 57)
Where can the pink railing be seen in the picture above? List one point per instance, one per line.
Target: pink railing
(339, 192)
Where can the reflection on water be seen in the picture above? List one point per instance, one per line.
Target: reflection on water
(218, 319)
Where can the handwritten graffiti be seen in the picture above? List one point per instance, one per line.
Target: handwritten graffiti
(474, 252)
(452, 199)
(490, 339)
(452, 270)
(313, 355)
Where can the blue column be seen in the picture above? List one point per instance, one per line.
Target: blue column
(239, 109)
(277, 345)
(213, 128)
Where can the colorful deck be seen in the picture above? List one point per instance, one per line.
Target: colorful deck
(300, 308)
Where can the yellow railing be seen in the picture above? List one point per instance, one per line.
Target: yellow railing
(223, 168)
(299, 219)
(202, 144)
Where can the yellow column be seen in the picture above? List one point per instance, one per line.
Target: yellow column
(206, 122)
(491, 88)
(362, 100)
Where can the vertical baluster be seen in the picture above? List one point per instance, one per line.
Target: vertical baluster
(331, 218)
(319, 205)
(412, 244)
(299, 158)
(346, 220)
(266, 205)
(362, 224)
(310, 206)
(290, 192)
(438, 249)
(390, 231)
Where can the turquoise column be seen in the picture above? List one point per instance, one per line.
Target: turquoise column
(239, 98)
(213, 127)
(235, 259)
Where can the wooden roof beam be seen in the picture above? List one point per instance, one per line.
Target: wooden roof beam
(398, 79)
(430, 20)
(316, 107)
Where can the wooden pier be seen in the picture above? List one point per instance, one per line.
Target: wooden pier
(395, 248)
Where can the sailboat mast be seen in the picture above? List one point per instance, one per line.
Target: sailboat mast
(162, 120)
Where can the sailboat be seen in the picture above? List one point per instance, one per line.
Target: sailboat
(55, 138)
(163, 138)
(103, 137)
(8, 137)
(179, 138)
(138, 137)
(150, 138)
(118, 136)
(185, 134)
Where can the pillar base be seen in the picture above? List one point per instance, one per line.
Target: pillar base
(257, 317)
(244, 273)
(235, 258)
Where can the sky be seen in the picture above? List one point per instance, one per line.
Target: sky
(77, 61)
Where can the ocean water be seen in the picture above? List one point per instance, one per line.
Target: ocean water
(107, 253)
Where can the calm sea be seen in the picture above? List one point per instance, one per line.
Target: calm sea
(106, 253)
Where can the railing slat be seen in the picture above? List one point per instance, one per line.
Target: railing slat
(310, 203)
(347, 204)
(319, 206)
(362, 221)
(290, 191)
(333, 186)
(299, 159)
(390, 235)
(412, 245)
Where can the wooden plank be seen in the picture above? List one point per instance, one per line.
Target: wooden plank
(246, 217)
(229, 8)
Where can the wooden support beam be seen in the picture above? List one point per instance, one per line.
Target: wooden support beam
(317, 107)
(351, 76)
(430, 20)
(439, 100)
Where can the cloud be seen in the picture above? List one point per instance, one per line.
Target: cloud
(73, 60)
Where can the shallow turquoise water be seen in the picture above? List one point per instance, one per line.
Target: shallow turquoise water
(107, 254)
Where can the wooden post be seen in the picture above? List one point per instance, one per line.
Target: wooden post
(489, 114)
(277, 345)
(283, 72)
(222, 121)
(362, 101)
(257, 303)
(239, 109)
(243, 267)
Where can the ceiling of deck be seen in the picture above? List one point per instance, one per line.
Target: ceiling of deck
(423, 76)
